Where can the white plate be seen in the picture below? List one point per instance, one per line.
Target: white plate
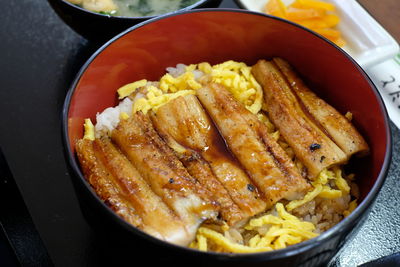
(367, 42)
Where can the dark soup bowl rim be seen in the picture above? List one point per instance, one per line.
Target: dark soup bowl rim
(346, 223)
(192, 6)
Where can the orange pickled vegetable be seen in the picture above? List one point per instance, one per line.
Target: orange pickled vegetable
(276, 8)
(315, 15)
(313, 4)
(332, 35)
(327, 21)
(302, 14)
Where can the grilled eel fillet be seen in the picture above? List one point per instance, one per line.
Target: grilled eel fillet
(106, 186)
(338, 128)
(163, 171)
(188, 130)
(122, 188)
(271, 170)
(153, 211)
(310, 144)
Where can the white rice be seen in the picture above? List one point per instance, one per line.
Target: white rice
(107, 120)
(177, 71)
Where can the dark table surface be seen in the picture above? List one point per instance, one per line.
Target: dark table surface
(40, 56)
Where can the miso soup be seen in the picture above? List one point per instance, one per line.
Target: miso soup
(138, 8)
(133, 8)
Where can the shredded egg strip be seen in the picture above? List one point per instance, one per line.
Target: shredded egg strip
(285, 229)
(352, 206)
(237, 78)
(205, 235)
(129, 88)
(88, 130)
(155, 98)
(323, 189)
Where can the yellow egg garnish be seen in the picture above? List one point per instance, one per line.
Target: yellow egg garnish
(284, 229)
(352, 206)
(323, 189)
(123, 116)
(128, 89)
(88, 130)
(226, 244)
(307, 198)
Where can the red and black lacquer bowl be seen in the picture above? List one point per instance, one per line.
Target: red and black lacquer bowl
(101, 27)
(217, 35)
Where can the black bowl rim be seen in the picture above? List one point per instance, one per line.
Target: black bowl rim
(346, 223)
(194, 5)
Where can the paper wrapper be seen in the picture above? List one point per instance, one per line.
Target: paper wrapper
(386, 77)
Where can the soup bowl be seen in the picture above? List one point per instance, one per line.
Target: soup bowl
(101, 27)
(217, 35)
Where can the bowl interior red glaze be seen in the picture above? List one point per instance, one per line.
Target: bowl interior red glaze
(216, 36)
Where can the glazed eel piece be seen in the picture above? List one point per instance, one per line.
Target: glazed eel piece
(337, 126)
(107, 188)
(269, 167)
(188, 130)
(310, 144)
(151, 209)
(163, 171)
